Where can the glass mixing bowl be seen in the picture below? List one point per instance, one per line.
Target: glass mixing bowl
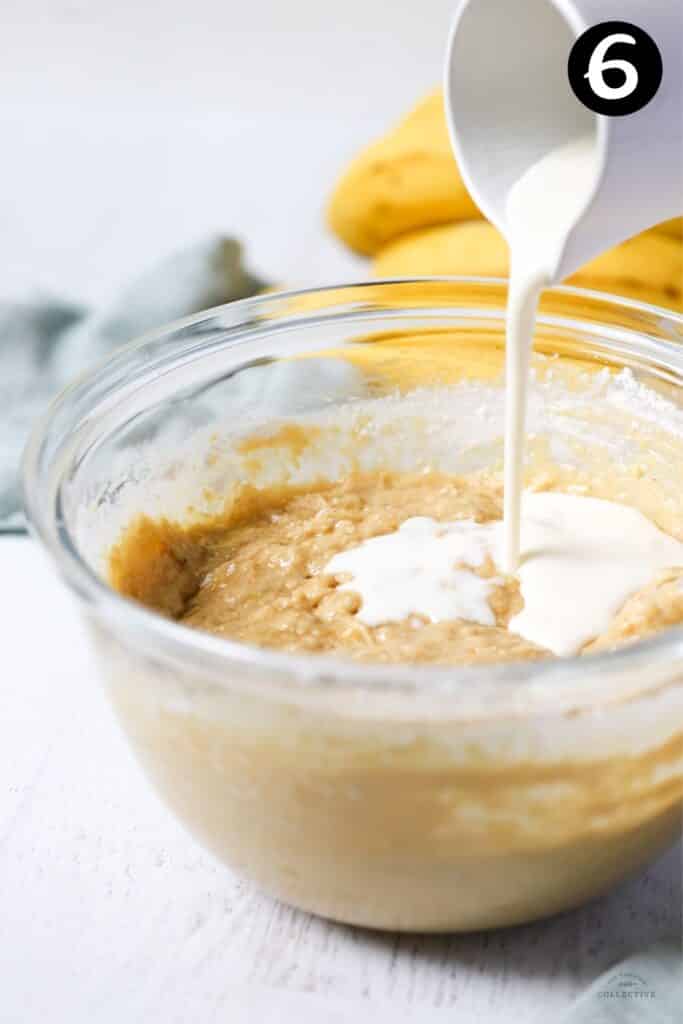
(395, 796)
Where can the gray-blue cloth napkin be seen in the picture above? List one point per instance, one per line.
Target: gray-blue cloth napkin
(46, 342)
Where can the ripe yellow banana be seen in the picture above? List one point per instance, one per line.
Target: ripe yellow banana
(672, 228)
(407, 180)
(648, 267)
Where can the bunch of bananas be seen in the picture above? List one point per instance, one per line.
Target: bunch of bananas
(403, 202)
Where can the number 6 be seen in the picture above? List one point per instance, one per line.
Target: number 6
(598, 65)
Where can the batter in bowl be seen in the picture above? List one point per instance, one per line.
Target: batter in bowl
(455, 804)
(274, 571)
(389, 818)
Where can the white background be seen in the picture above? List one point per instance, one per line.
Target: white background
(129, 129)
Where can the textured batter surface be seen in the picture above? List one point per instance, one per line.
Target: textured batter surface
(258, 575)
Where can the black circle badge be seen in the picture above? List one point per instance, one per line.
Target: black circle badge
(615, 68)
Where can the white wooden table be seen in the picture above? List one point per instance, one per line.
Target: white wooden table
(109, 913)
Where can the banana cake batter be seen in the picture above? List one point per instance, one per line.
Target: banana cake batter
(261, 575)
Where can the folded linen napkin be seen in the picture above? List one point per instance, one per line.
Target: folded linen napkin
(45, 342)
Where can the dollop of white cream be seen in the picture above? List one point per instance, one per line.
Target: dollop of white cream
(417, 570)
(581, 558)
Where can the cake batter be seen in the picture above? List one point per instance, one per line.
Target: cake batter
(272, 573)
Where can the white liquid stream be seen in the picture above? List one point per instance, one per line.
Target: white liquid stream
(542, 207)
(578, 559)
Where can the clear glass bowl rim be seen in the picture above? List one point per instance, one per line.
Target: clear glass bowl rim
(200, 651)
